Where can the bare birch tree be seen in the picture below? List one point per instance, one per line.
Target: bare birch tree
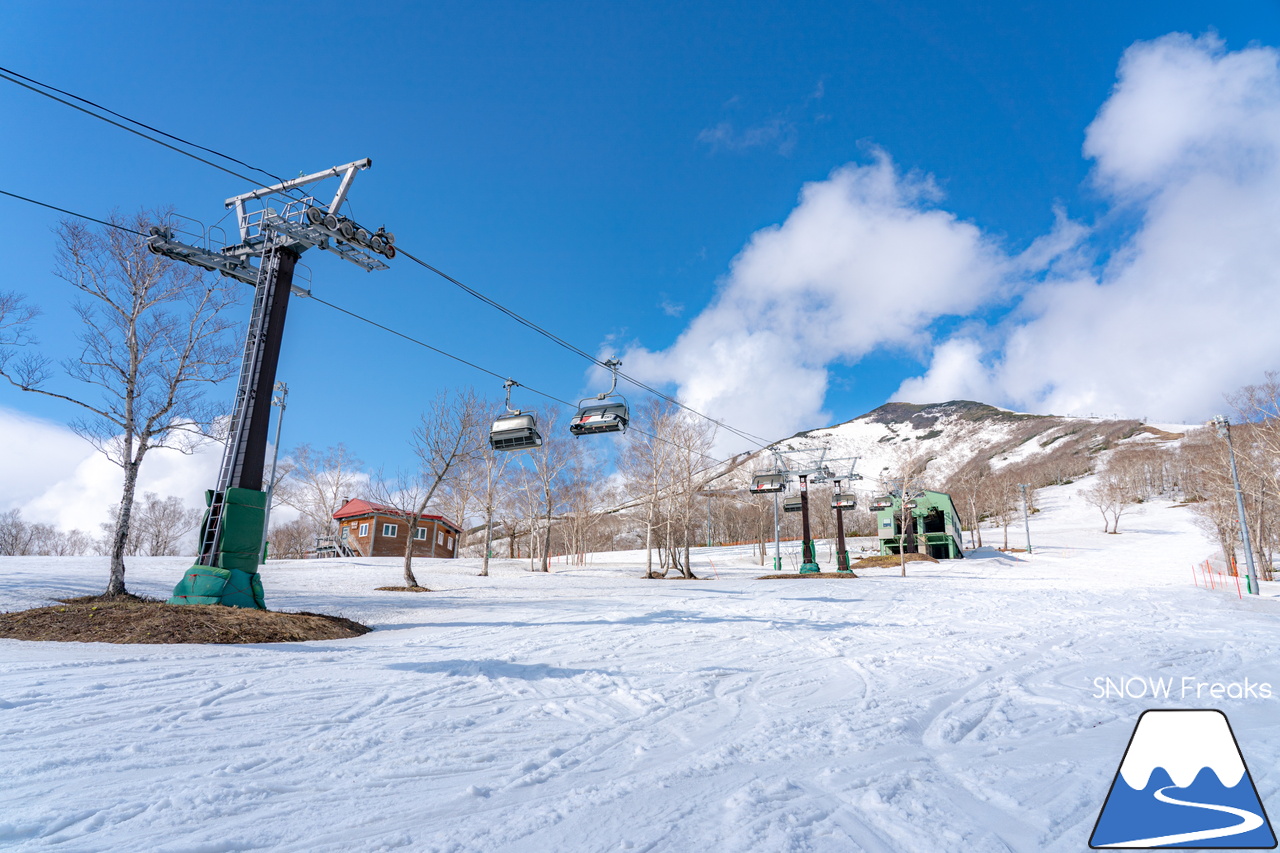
(489, 472)
(547, 465)
(153, 339)
(448, 435)
(316, 483)
(647, 466)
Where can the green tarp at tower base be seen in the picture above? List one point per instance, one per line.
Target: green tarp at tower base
(233, 579)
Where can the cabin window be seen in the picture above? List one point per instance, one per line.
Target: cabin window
(420, 533)
(450, 545)
(440, 537)
(364, 528)
(390, 529)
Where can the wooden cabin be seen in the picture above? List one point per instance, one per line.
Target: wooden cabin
(373, 530)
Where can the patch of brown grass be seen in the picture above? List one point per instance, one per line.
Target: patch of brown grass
(128, 619)
(402, 589)
(809, 575)
(882, 561)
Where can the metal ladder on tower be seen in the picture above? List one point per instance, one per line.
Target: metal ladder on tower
(250, 363)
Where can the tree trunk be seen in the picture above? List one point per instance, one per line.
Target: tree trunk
(546, 547)
(648, 546)
(488, 540)
(120, 541)
(409, 579)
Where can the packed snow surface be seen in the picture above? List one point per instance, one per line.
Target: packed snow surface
(956, 709)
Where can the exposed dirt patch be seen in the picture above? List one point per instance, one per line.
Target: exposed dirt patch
(881, 561)
(402, 589)
(127, 619)
(809, 575)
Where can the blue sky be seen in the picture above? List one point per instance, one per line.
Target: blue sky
(599, 166)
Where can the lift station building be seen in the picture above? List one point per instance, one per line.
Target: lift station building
(937, 526)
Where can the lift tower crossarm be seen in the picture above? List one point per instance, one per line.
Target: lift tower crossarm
(348, 173)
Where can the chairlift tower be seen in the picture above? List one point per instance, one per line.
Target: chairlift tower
(226, 570)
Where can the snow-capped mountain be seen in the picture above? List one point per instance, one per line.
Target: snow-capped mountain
(946, 436)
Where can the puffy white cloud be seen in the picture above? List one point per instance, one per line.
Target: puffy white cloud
(1184, 311)
(865, 260)
(56, 477)
(1187, 146)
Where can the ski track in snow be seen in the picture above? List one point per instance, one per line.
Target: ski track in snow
(591, 710)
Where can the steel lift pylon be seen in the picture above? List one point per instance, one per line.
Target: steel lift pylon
(231, 536)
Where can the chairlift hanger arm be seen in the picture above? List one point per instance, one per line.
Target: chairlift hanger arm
(613, 364)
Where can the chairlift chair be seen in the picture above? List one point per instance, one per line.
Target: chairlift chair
(605, 417)
(766, 483)
(792, 504)
(515, 430)
(882, 504)
(601, 417)
(844, 501)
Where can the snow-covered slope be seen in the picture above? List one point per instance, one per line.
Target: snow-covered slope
(948, 435)
(957, 709)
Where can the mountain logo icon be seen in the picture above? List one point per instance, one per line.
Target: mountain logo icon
(1183, 783)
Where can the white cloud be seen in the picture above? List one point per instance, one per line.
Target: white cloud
(778, 133)
(864, 261)
(1185, 309)
(56, 477)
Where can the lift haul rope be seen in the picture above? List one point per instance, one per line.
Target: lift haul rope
(38, 87)
(376, 324)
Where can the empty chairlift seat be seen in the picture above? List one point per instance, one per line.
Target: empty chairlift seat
(791, 504)
(603, 417)
(844, 501)
(515, 431)
(765, 483)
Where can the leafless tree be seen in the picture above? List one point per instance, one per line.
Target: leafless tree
(906, 474)
(20, 538)
(647, 463)
(161, 525)
(153, 338)
(1111, 495)
(16, 536)
(16, 316)
(966, 488)
(292, 540)
(318, 482)
(586, 498)
(488, 472)
(1000, 496)
(546, 467)
(448, 436)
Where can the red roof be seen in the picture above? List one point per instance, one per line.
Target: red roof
(357, 507)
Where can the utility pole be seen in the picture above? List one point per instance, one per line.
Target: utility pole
(276, 234)
(1224, 430)
(708, 519)
(281, 395)
(808, 561)
(1026, 525)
